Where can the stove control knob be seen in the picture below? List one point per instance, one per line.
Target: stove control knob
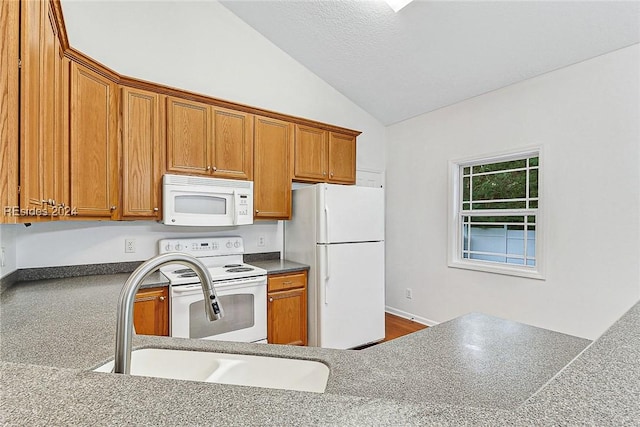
(178, 247)
(168, 247)
(236, 244)
(229, 244)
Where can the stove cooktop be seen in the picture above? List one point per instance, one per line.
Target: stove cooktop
(180, 275)
(223, 256)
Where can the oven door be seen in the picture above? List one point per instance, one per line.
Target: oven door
(243, 301)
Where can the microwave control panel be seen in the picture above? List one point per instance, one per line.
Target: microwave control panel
(243, 205)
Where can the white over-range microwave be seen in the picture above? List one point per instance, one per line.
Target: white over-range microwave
(202, 201)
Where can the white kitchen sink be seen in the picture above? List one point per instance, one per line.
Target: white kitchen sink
(224, 368)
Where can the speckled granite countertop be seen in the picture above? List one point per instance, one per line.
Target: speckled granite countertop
(475, 369)
(276, 266)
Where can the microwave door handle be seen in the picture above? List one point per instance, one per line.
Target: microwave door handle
(235, 207)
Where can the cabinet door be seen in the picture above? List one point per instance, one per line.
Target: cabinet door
(310, 154)
(188, 136)
(342, 158)
(232, 144)
(31, 107)
(62, 186)
(272, 168)
(151, 311)
(9, 100)
(287, 317)
(141, 154)
(93, 144)
(43, 140)
(49, 81)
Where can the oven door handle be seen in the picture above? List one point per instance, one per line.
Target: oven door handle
(245, 281)
(185, 289)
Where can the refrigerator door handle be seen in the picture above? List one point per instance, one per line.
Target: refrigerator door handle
(326, 224)
(326, 274)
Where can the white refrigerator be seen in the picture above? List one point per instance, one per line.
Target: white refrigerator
(339, 231)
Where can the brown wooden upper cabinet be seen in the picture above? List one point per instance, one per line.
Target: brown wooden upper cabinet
(232, 152)
(142, 153)
(43, 111)
(94, 170)
(207, 140)
(342, 158)
(272, 168)
(310, 152)
(323, 156)
(10, 110)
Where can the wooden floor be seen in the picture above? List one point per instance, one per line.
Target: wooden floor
(396, 326)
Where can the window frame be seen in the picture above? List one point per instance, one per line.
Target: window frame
(455, 245)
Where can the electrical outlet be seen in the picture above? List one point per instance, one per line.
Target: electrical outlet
(408, 293)
(2, 257)
(261, 241)
(129, 246)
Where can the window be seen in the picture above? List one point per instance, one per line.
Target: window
(495, 219)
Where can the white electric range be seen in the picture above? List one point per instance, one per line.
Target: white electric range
(241, 290)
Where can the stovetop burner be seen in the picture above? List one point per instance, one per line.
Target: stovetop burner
(239, 269)
(182, 270)
(232, 265)
(192, 274)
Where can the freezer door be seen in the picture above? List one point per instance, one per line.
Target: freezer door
(350, 303)
(348, 213)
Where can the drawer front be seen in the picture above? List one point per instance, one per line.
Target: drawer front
(287, 281)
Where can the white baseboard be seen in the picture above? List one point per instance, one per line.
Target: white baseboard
(410, 316)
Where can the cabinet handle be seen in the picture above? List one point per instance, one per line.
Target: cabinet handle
(257, 211)
(144, 299)
(331, 174)
(215, 168)
(287, 282)
(270, 299)
(114, 207)
(155, 209)
(324, 173)
(208, 168)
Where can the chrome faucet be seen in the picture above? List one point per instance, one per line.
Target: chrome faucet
(124, 326)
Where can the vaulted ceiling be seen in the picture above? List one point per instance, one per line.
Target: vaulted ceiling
(435, 53)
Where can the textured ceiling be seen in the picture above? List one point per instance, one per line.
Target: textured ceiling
(436, 53)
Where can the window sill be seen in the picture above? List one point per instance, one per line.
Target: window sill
(529, 273)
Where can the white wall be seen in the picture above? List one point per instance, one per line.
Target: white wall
(8, 262)
(202, 47)
(74, 243)
(586, 118)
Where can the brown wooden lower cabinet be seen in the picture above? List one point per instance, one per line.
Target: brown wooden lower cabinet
(151, 311)
(287, 308)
